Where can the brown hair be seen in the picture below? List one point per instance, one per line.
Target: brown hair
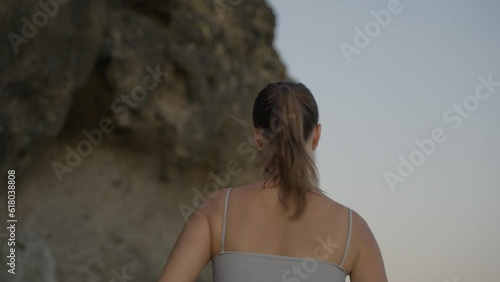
(286, 114)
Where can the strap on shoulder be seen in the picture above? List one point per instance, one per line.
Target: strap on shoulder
(224, 221)
(348, 238)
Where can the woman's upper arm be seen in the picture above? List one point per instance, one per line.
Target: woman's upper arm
(369, 265)
(191, 252)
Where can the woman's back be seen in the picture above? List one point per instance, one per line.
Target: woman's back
(259, 238)
(282, 228)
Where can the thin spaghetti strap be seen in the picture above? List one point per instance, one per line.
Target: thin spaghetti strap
(348, 237)
(224, 221)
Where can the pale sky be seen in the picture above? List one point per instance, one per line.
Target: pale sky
(443, 221)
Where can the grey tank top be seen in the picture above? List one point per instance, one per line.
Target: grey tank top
(253, 267)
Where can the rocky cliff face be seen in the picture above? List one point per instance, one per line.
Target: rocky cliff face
(115, 115)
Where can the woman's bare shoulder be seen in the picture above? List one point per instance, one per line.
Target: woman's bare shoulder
(217, 198)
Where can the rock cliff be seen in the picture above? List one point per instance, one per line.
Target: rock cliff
(116, 116)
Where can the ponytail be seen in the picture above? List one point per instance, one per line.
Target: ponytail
(289, 114)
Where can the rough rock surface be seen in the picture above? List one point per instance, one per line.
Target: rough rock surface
(113, 114)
